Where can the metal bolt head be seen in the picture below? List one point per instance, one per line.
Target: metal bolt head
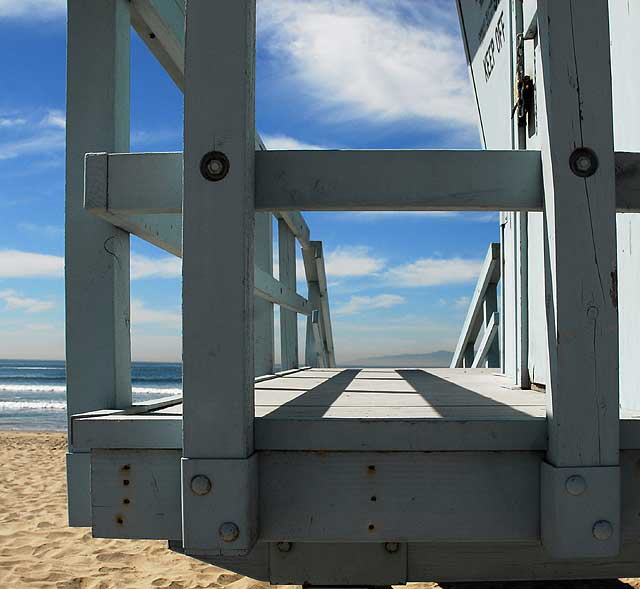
(214, 166)
(229, 532)
(284, 546)
(576, 485)
(602, 530)
(200, 484)
(392, 547)
(583, 162)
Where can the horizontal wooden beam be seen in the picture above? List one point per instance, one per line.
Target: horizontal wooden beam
(270, 289)
(298, 226)
(489, 273)
(430, 180)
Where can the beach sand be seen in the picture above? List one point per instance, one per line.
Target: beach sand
(38, 550)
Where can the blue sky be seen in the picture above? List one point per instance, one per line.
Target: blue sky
(330, 74)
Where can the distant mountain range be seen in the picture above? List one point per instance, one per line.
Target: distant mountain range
(440, 359)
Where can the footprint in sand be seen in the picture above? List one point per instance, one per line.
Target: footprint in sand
(227, 578)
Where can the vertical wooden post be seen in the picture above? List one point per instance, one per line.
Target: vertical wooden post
(489, 307)
(97, 254)
(263, 309)
(469, 354)
(288, 319)
(218, 278)
(580, 481)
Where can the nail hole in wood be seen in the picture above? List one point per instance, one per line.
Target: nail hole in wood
(125, 482)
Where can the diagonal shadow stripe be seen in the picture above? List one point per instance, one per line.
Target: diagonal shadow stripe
(319, 399)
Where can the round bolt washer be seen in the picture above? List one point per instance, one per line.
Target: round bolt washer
(392, 547)
(576, 485)
(229, 532)
(583, 162)
(284, 546)
(214, 166)
(602, 530)
(200, 485)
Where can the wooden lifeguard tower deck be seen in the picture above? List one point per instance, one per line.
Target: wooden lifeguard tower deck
(518, 462)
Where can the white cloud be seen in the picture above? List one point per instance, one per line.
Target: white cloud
(459, 303)
(434, 272)
(42, 230)
(19, 264)
(32, 9)
(15, 302)
(146, 267)
(357, 304)
(352, 261)
(55, 118)
(277, 142)
(385, 59)
(12, 121)
(141, 315)
(43, 142)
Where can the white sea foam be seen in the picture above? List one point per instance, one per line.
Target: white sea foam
(62, 389)
(10, 406)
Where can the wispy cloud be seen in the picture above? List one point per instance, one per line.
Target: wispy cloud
(458, 303)
(32, 133)
(20, 264)
(357, 304)
(42, 230)
(277, 142)
(15, 302)
(32, 9)
(143, 315)
(384, 59)
(147, 267)
(352, 261)
(434, 272)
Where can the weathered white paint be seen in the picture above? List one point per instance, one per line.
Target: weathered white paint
(288, 319)
(263, 309)
(96, 253)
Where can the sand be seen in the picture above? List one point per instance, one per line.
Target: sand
(38, 550)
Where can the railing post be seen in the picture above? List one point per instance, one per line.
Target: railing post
(288, 319)
(580, 509)
(98, 356)
(263, 309)
(219, 466)
(489, 307)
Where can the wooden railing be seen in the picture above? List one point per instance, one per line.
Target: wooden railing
(478, 342)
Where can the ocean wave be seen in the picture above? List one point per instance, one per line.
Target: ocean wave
(4, 367)
(9, 406)
(62, 389)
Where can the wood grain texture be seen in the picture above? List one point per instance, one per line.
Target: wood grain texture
(97, 254)
(218, 243)
(581, 281)
(288, 318)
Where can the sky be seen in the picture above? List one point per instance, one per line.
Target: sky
(339, 74)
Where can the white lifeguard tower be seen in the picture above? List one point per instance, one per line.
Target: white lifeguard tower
(521, 461)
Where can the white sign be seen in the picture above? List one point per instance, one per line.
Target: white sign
(488, 39)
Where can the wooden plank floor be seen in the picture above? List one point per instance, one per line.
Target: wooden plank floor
(441, 393)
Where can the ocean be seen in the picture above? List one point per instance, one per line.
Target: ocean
(32, 392)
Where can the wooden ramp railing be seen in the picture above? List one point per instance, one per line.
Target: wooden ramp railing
(478, 342)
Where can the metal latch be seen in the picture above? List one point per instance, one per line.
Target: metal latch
(524, 87)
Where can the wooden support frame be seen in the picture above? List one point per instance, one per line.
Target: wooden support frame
(487, 341)
(580, 484)
(97, 120)
(263, 311)
(218, 248)
(489, 275)
(145, 183)
(288, 318)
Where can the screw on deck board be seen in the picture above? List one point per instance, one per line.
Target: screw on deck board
(284, 546)
(602, 530)
(392, 547)
(229, 532)
(200, 484)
